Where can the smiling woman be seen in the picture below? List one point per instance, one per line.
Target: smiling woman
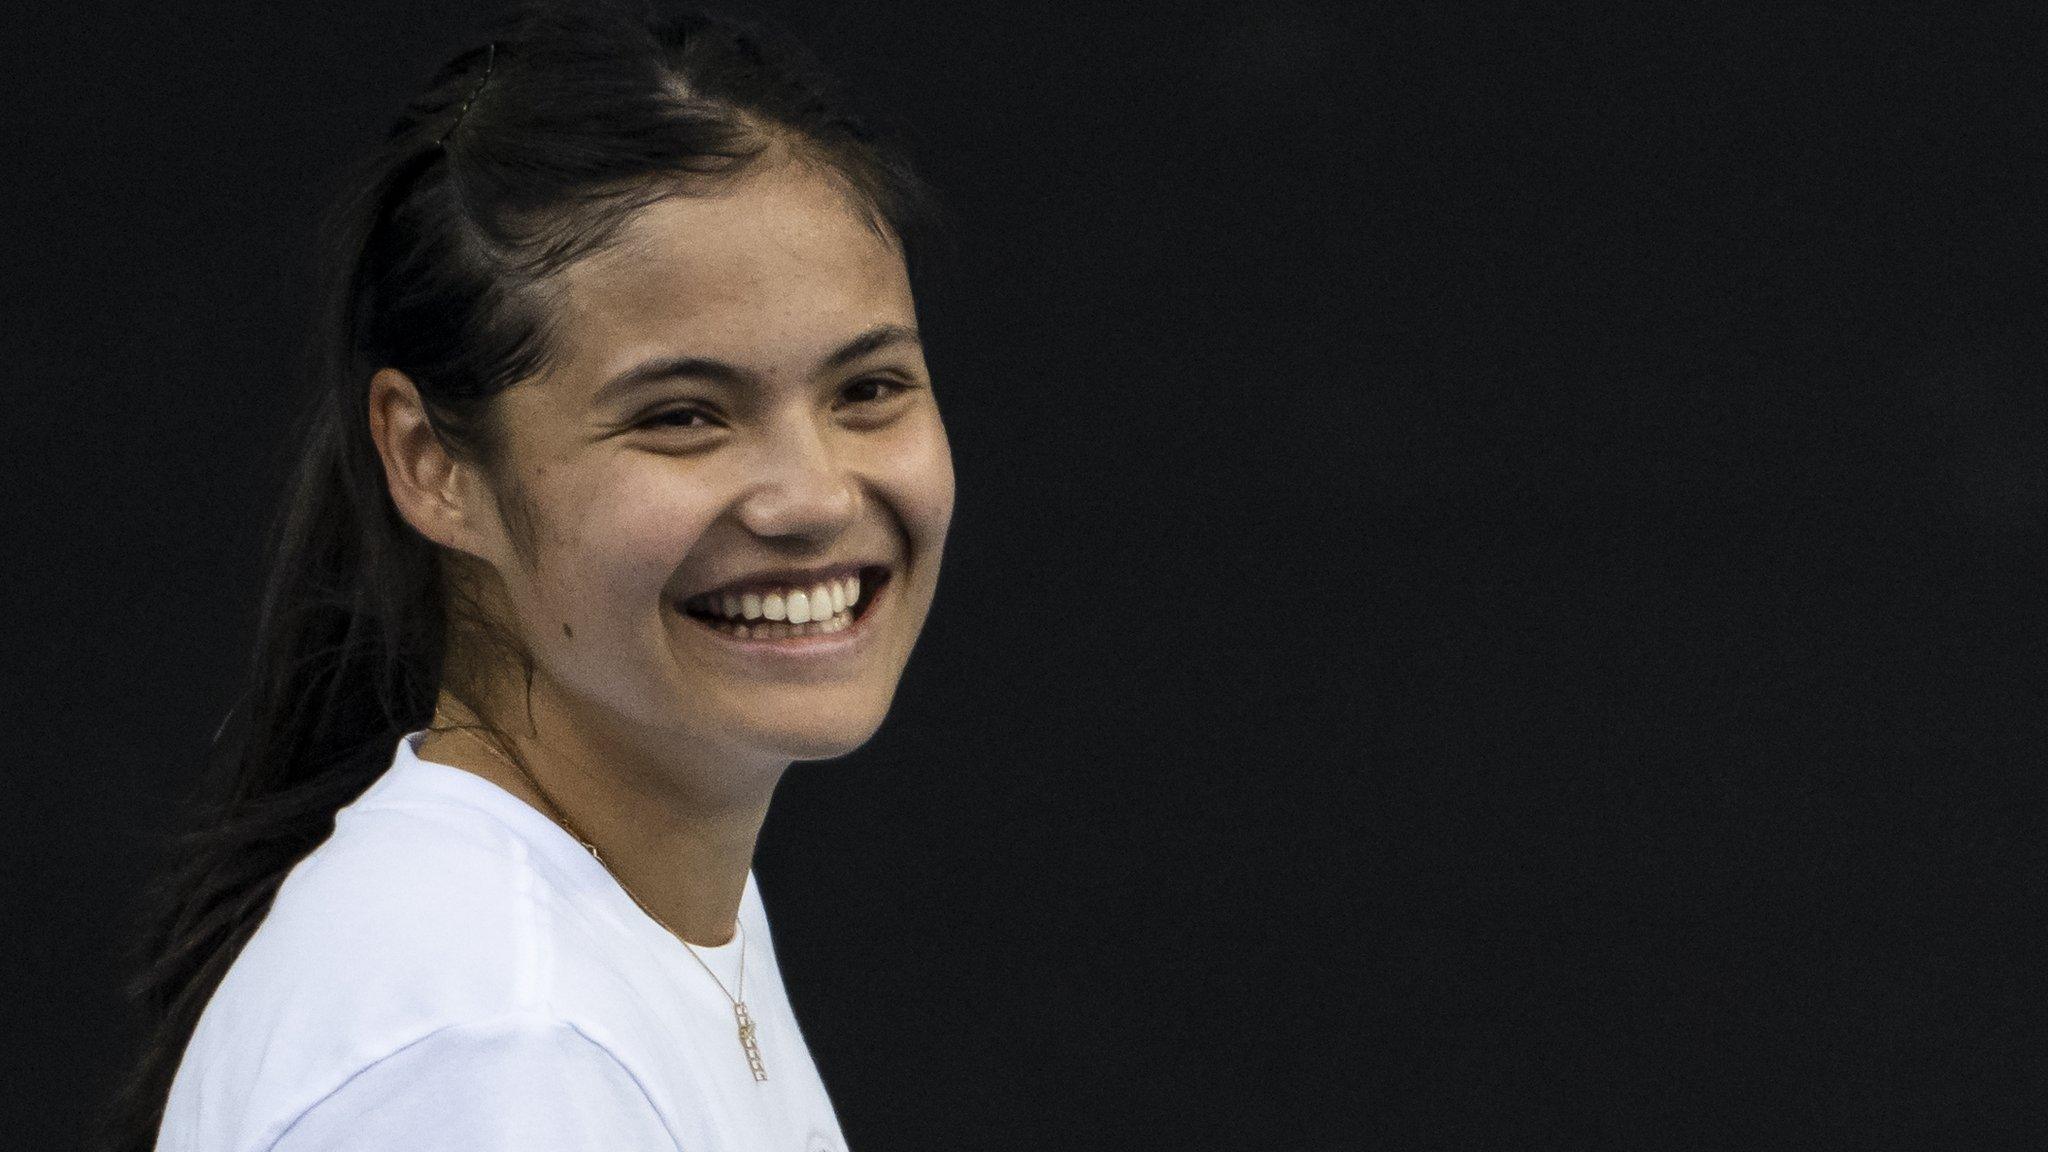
(625, 488)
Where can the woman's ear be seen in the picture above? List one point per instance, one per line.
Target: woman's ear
(434, 491)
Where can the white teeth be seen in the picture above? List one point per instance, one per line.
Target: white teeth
(780, 630)
(821, 602)
(794, 605)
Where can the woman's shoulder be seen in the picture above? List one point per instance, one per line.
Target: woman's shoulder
(432, 867)
(514, 1082)
(518, 1080)
(392, 925)
(407, 922)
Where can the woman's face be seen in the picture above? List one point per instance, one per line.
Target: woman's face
(815, 441)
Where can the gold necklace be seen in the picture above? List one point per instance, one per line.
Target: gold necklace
(739, 1003)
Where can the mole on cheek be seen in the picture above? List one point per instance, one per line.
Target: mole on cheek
(566, 632)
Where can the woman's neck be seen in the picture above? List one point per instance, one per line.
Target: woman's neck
(682, 851)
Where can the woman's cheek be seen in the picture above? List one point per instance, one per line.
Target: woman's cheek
(920, 475)
(628, 543)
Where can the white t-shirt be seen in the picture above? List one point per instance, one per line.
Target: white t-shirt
(452, 970)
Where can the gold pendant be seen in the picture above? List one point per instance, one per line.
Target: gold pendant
(739, 1010)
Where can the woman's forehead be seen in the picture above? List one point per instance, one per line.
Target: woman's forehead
(767, 260)
(782, 223)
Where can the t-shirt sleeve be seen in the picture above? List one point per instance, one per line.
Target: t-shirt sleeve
(509, 1084)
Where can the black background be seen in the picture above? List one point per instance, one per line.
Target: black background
(1492, 602)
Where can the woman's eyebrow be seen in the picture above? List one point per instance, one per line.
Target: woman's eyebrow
(703, 368)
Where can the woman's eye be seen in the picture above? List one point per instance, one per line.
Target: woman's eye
(880, 381)
(681, 417)
(673, 418)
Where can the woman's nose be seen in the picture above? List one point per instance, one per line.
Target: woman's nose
(803, 486)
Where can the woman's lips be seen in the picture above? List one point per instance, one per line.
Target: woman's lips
(813, 646)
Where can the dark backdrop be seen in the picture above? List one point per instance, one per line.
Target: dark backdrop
(1493, 601)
